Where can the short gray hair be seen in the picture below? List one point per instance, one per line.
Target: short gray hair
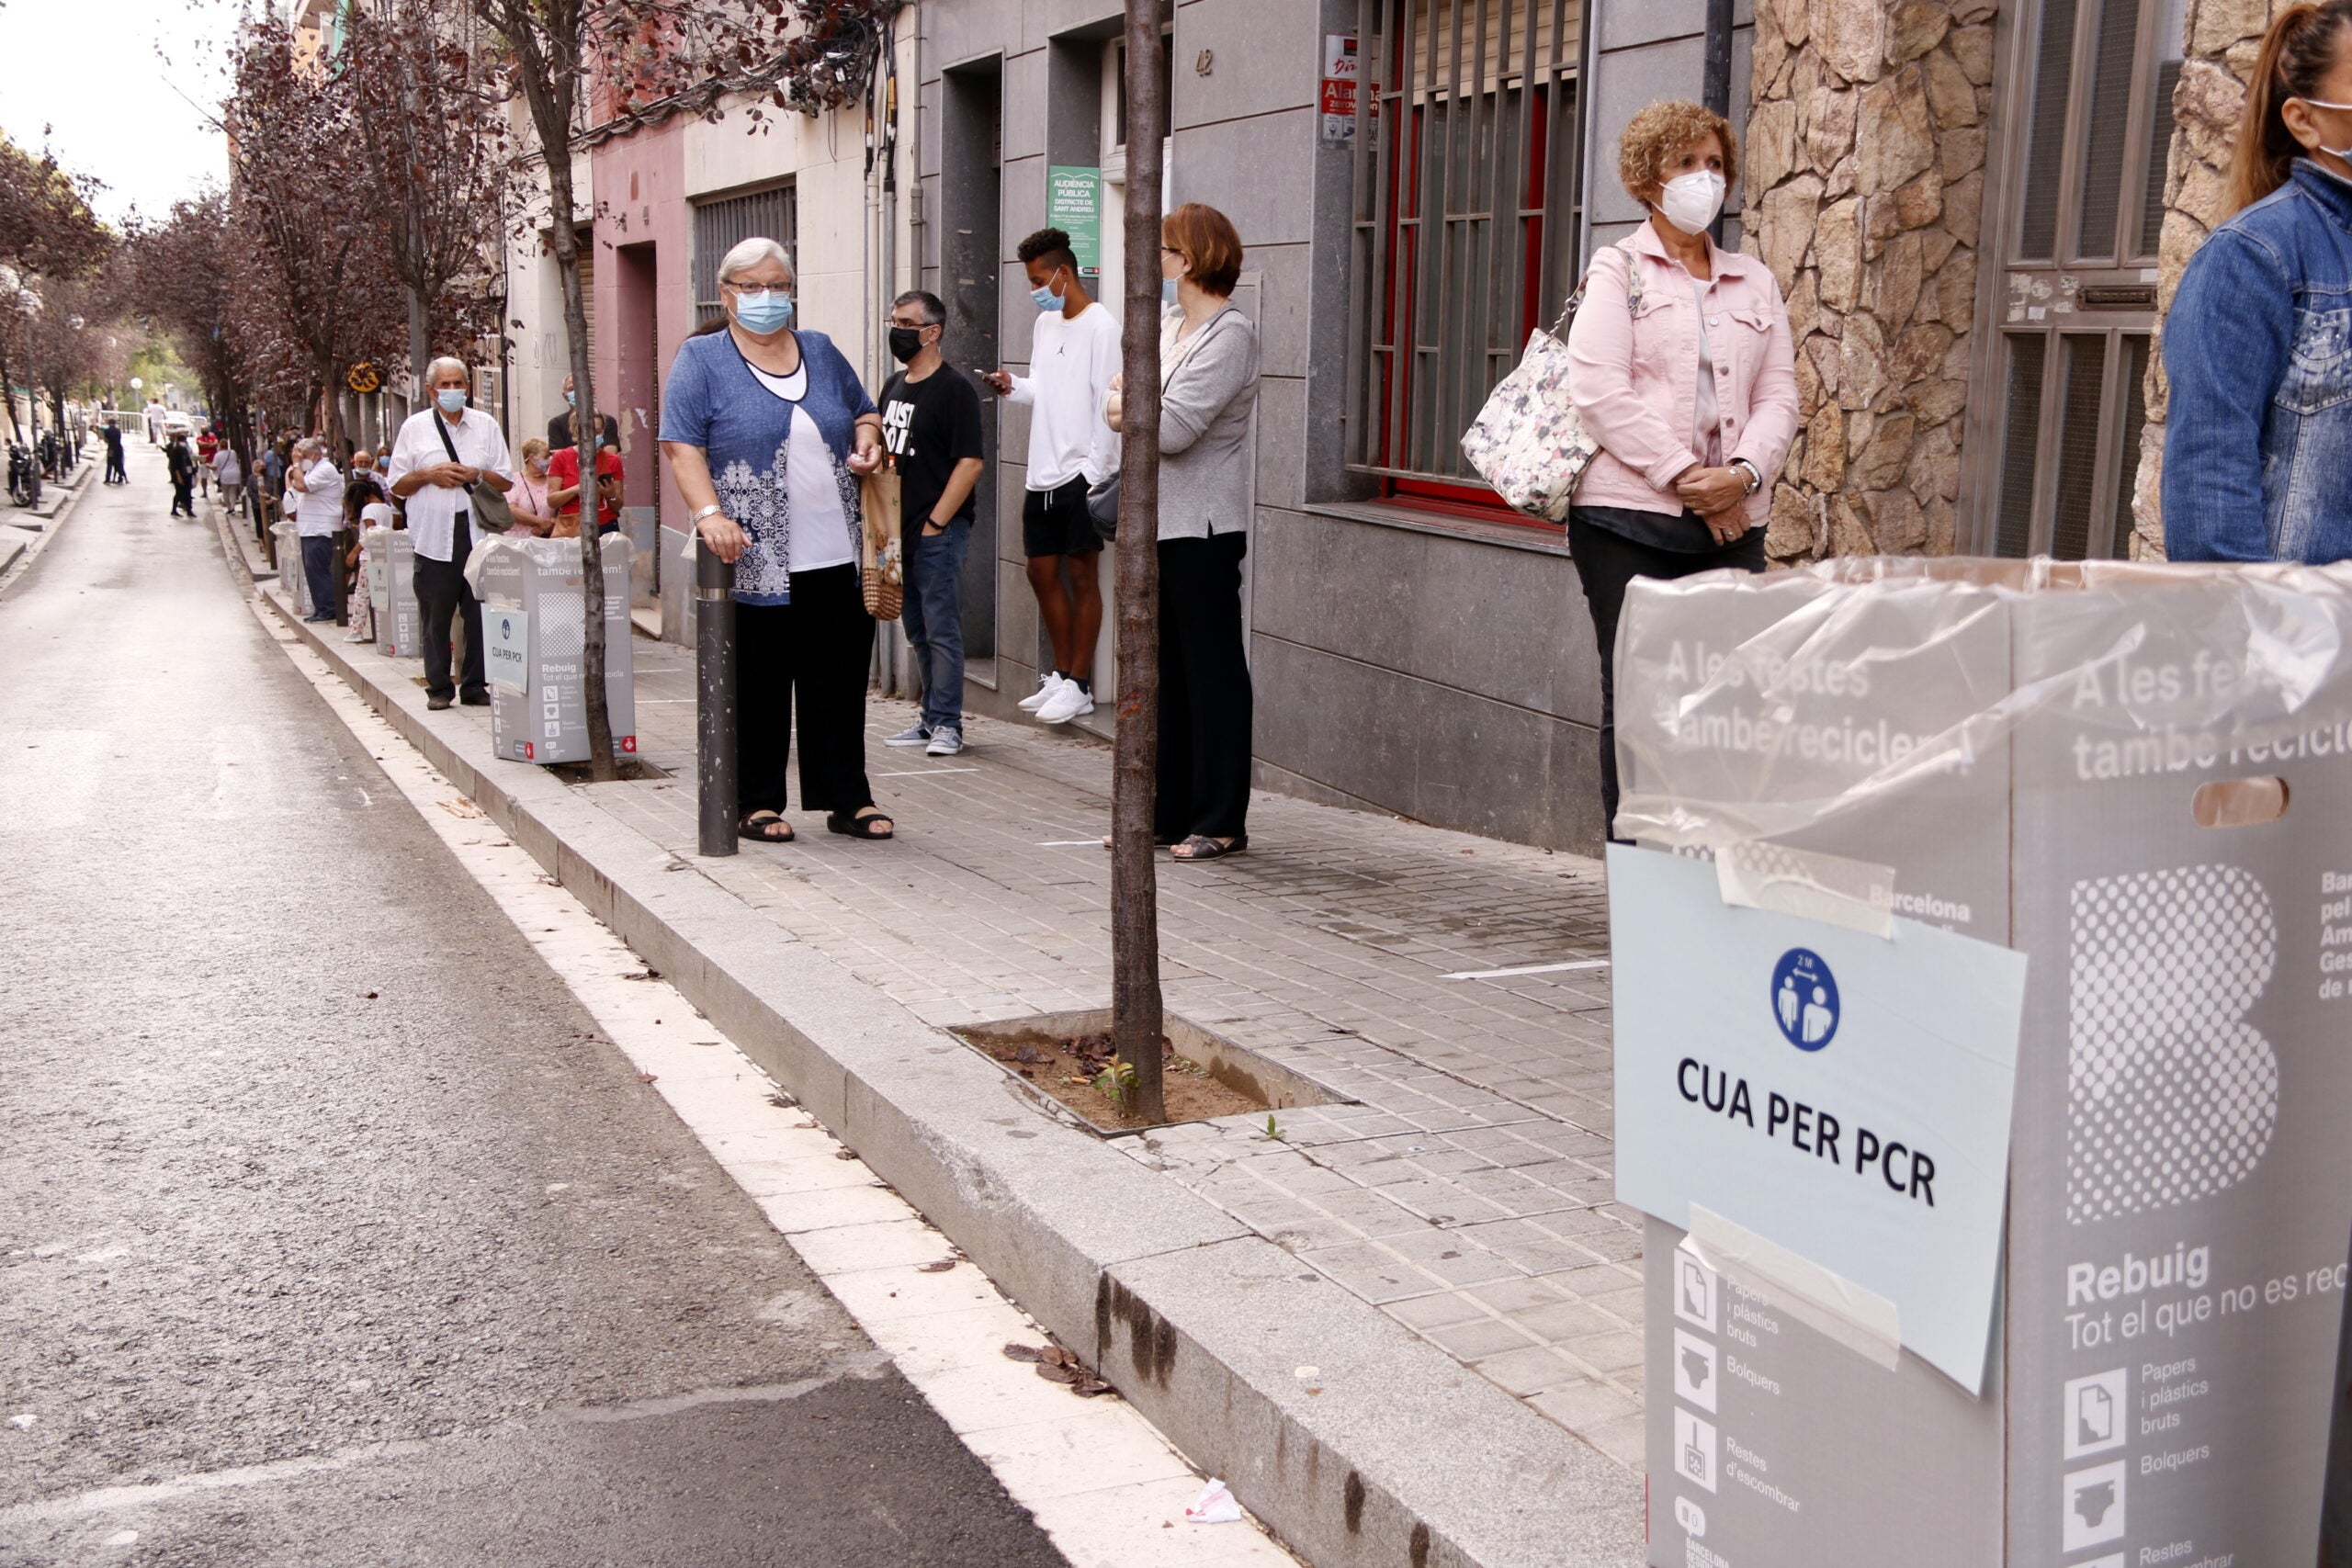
(750, 253)
(435, 368)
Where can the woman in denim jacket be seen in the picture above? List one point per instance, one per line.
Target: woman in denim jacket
(1681, 367)
(2258, 345)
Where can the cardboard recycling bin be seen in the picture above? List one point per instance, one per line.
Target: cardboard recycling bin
(290, 575)
(2085, 831)
(392, 592)
(533, 621)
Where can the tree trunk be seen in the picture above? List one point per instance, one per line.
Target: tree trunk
(420, 336)
(1136, 1016)
(602, 764)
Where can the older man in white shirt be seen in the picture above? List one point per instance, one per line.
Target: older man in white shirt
(317, 486)
(440, 454)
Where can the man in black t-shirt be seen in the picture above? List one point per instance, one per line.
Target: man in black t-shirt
(931, 424)
(559, 428)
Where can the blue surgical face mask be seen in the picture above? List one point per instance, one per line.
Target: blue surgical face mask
(1046, 299)
(1168, 291)
(451, 398)
(763, 311)
(572, 399)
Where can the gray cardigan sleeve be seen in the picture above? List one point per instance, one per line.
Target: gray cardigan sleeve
(1221, 368)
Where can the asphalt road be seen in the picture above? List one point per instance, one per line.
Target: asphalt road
(324, 1213)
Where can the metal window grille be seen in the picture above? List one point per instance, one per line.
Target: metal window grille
(721, 226)
(1464, 218)
(2083, 207)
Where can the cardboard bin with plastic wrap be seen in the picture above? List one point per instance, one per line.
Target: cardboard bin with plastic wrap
(533, 623)
(1984, 1059)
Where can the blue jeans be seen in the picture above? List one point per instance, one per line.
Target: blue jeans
(317, 571)
(933, 618)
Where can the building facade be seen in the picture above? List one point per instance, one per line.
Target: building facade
(1975, 209)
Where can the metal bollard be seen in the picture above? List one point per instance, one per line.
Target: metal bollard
(714, 714)
(346, 541)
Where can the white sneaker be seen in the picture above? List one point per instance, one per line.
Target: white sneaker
(1073, 700)
(1047, 684)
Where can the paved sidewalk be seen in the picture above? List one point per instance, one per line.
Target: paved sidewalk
(1467, 1194)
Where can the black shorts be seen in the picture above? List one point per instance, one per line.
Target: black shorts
(1055, 522)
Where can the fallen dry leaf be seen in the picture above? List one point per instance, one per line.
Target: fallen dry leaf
(938, 1265)
(647, 1078)
(1056, 1374)
(1016, 1351)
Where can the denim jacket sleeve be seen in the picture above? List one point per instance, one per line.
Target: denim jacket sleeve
(2227, 343)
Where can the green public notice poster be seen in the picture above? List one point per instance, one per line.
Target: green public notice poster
(1074, 204)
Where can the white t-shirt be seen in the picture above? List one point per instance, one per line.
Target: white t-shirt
(820, 536)
(319, 509)
(433, 509)
(1071, 360)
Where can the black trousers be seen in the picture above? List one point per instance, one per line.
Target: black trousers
(1205, 700)
(815, 651)
(441, 597)
(1606, 562)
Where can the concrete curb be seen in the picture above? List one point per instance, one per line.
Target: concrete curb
(1389, 1453)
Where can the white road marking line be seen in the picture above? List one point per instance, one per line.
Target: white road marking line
(1101, 1481)
(1065, 844)
(921, 772)
(1530, 969)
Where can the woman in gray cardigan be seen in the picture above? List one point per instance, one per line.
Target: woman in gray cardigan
(1208, 367)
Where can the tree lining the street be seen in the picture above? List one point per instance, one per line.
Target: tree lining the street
(314, 289)
(441, 156)
(182, 274)
(50, 238)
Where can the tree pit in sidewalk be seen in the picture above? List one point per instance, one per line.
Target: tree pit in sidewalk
(1076, 1071)
(1068, 1058)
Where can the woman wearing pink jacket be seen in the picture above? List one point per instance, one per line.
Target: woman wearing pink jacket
(1683, 369)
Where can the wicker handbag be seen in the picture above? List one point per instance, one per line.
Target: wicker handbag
(882, 577)
(1529, 441)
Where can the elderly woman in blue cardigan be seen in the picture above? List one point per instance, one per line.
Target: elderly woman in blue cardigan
(767, 431)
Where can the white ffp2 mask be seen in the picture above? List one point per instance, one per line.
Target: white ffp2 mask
(1690, 201)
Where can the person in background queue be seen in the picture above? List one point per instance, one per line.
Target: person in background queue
(529, 498)
(207, 445)
(231, 473)
(1072, 359)
(435, 484)
(559, 425)
(111, 434)
(1683, 368)
(768, 431)
(2258, 435)
(1208, 388)
(181, 464)
(931, 424)
(317, 486)
(563, 486)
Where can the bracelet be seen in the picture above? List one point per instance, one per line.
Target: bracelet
(706, 512)
(1755, 479)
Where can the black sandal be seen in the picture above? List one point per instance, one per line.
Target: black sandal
(860, 826)
(755, 827)
(1200, 846)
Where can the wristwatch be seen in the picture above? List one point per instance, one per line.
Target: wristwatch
(706, 512)
(1755, 479)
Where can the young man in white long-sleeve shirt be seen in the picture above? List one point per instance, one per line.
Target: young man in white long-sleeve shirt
(1072, 359)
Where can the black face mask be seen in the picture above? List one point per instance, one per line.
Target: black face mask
(905, 343)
